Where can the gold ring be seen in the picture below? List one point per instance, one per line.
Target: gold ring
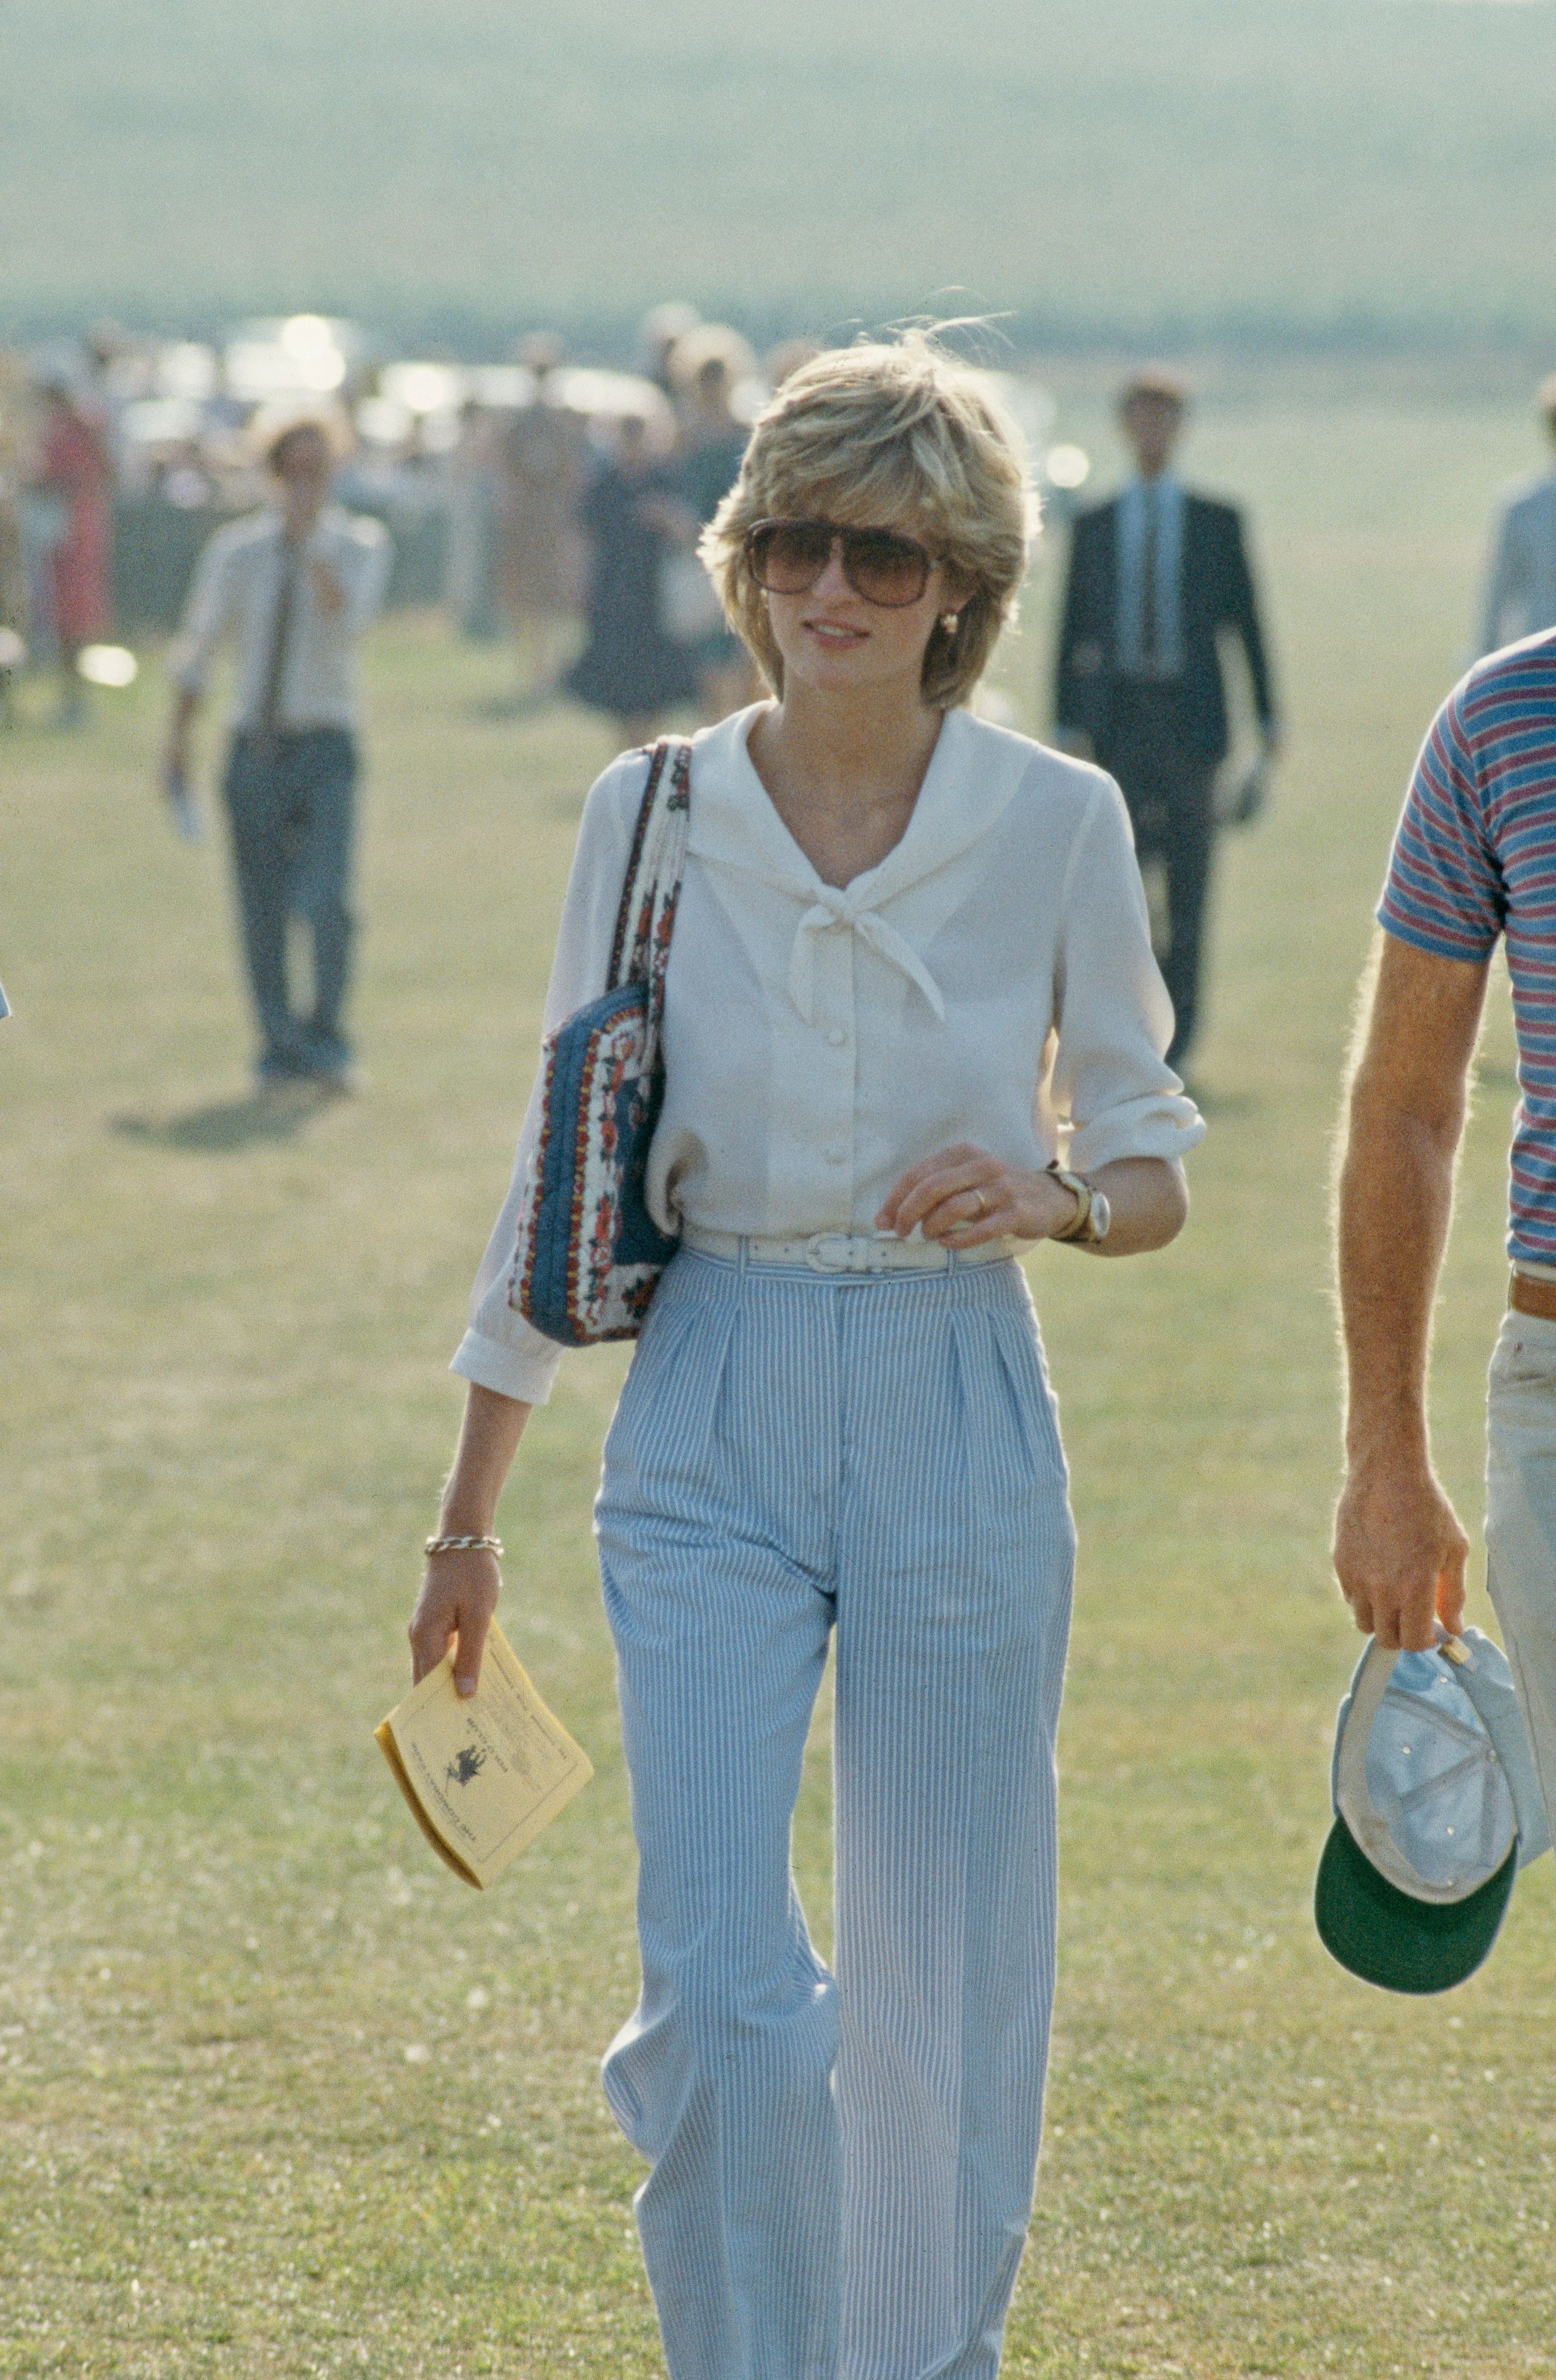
(982, 1206)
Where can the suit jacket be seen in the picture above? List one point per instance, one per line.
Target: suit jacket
(1216, 593)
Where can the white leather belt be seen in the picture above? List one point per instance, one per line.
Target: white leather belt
(844, 1251)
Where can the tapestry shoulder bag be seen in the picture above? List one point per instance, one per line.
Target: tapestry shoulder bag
(588, 1253)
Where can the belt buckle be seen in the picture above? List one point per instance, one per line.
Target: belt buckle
(849, 1251)
(830, 1251)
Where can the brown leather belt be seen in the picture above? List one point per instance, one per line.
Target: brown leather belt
(1526, 1296)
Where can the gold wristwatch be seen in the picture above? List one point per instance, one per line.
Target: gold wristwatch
(1093, 1214)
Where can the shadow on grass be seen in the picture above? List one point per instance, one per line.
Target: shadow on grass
(277, 1115)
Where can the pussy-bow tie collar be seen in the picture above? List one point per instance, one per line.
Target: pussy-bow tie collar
(971, 778)
(832, 911)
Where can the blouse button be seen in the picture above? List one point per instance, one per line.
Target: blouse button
(834, 1152)
(837, 1036)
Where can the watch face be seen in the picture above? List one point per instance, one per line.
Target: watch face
(1100, 1217)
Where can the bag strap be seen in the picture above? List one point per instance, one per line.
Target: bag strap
(650, 890)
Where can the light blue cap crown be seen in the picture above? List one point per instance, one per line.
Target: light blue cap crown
(1432, 1772)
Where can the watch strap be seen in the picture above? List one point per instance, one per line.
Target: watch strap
(1092, 1212)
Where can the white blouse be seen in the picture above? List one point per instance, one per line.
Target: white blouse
(991, 981)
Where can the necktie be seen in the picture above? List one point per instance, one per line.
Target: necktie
(280, 634)
(1149, 655)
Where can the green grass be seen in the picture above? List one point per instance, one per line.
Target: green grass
(1311, 168)
(224, 1419)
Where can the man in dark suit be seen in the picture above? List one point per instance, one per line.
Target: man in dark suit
(1158, 579)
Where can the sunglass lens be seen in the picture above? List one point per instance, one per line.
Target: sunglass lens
(787, 557)
(885, 569)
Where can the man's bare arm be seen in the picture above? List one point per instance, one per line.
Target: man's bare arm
(1399, 1547)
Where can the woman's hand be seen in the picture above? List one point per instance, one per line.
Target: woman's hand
(458, 1597)
(459, 1591)
(962, 1197)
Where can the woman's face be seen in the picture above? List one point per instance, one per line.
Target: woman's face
(832, 640)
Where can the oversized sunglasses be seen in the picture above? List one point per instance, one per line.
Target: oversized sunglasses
(786, 557)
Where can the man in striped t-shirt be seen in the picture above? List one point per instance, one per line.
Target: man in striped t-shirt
(1475, 857)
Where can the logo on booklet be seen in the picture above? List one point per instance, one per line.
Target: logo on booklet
(464, 1765)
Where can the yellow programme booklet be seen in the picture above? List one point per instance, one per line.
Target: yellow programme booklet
(484, 1776)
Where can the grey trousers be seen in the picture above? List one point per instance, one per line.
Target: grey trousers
(1170, 795)
(291, 801)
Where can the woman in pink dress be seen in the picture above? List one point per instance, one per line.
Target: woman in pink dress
(74, 466)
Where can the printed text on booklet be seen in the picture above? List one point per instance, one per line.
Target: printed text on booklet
(483, 1776)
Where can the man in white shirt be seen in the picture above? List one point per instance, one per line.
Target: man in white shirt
(295, 585)
(1520, 599)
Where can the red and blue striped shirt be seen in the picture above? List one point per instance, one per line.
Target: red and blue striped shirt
(1475, 857)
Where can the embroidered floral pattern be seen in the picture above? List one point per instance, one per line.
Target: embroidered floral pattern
(589, 1255)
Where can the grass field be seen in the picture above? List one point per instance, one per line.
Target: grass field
(280, 2098)
(1170, 168)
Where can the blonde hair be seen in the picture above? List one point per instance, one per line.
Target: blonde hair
(888, 434)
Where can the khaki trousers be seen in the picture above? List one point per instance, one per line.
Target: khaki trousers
(1521, 1525)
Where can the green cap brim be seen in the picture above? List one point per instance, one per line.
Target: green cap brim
(1386, 1938)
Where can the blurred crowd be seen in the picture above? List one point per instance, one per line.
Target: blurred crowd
(267, 494)
(548, 503)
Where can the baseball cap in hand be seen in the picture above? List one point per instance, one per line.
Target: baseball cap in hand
(1436, 1807)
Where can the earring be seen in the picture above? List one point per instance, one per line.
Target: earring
(948, 620)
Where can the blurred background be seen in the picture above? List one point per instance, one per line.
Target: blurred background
(209, 210)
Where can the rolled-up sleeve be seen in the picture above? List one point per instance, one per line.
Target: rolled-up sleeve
(1110, 1088)
(501, 1351)
(205, 616)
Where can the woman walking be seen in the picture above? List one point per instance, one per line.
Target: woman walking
(629, 668)
(911, 965)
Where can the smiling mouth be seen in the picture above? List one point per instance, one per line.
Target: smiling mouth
(837, 633)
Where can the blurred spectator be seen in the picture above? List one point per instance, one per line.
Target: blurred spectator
(630, 668)
(296, 585)
(109, 351)
(180, 478)
(471, 524)
(72, 481)
(706, 367)
(13, 566)
(1158, 577)
(541, 564)
(1519, 598)
(13, 595)
(658, 335)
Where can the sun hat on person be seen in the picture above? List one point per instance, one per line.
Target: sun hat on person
(1436, 1807)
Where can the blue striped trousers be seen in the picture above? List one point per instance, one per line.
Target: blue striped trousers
(841, 2165)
